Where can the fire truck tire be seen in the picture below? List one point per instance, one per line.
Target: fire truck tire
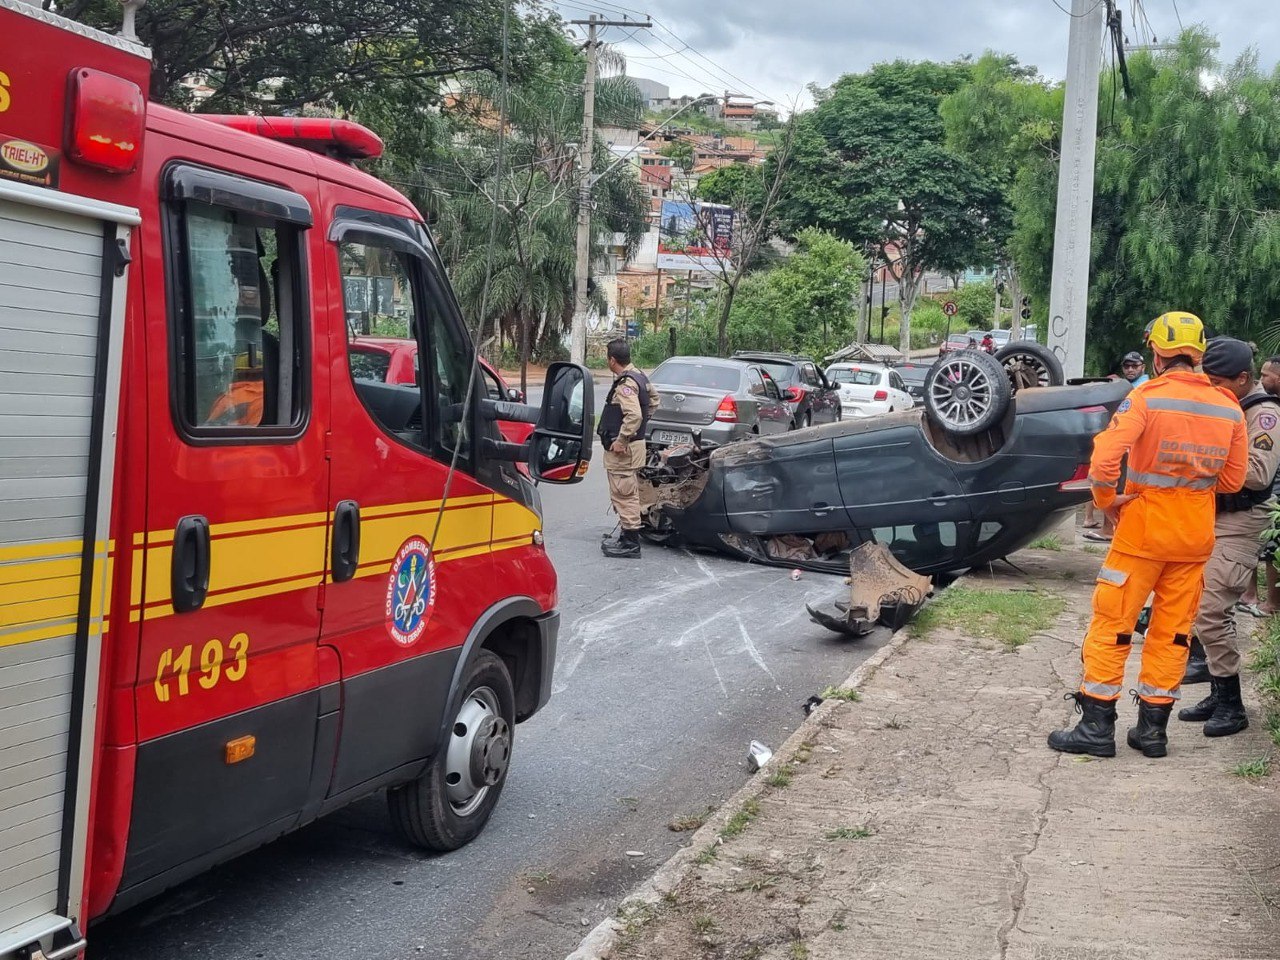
(449, 804)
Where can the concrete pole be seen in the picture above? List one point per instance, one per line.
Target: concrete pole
(1069, 295)
(581, 303)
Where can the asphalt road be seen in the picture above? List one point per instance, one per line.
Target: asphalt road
(668, 668)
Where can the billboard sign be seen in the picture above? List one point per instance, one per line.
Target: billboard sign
(695, 236)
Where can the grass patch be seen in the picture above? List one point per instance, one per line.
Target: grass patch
(1254, 769)
(1012, 617)
(1265, 662)
(1090, 548)
(738, 822)
(704, 926)
(706, 856)
(847, 694)
(779, 778)
(799, 951)
(1050, 541)
(849, 833)
(893, 723)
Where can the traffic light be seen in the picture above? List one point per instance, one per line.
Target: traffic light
(1026, 308)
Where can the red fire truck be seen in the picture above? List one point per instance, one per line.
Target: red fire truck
(239, 587)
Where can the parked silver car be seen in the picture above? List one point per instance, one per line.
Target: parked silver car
(726, 400)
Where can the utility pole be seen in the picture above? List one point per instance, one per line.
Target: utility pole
(1069, 295)
(582, 273)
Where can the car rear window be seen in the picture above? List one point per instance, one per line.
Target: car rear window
(784, 373)
(369, 364)
(861, 378)
(682, 373)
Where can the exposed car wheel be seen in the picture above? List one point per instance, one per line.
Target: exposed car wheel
(1030, 365)
(449, 804)
(966, 392)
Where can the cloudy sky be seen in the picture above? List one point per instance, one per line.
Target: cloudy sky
(772, 49)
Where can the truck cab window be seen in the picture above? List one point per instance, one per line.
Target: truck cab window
(240, 323)
(380, 306)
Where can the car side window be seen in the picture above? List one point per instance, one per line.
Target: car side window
(771, 388)
(810, 375)
(492, 389)
(755, 384)
(240, 323)
(452, 363)
(379, 299)
(895, 381)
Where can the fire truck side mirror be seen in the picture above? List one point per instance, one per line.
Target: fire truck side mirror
(560, 448)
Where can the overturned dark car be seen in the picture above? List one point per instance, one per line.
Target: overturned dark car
(979, 472)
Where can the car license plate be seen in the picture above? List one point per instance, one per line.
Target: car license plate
(669, 436)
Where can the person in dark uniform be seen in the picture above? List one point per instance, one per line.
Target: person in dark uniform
(622, 432)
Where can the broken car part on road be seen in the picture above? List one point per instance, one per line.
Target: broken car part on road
(881, 591)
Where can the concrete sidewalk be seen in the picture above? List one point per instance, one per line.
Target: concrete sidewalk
(929, 820)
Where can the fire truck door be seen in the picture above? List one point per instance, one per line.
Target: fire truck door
(227, 694)
(62, 280)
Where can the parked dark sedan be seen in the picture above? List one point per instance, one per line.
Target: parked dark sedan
(913, 375)
(810, 398)
(724, 400)
(941, 502)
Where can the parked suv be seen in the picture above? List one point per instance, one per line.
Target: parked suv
(724, 400)
(810, 398)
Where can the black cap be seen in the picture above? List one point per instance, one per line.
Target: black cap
(1227, 357)
(1133, 356)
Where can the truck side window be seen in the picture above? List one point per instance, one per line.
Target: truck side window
(241, 323)
(381, 309)
(451, 369)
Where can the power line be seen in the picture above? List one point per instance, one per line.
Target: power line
(1177, 14)
(1080, 16)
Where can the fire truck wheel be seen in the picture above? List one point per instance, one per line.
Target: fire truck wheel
(449, 804)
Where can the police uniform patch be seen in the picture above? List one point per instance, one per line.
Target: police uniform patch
(1267, 421)
(627, 391)
(1125, 404)
(1263, 441)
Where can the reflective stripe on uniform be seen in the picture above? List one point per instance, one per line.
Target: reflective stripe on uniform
(1168, 482)
(1196, 407)
(1147, 690)
(1118, 577)
(1104, 691)
(1101, 483)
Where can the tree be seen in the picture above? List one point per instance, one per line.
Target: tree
(277, 55)
(753, 191)
(681, 151)
(1187, 200)
(871, 165)
(529, 265)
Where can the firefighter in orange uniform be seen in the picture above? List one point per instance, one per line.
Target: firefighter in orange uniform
(1186, 442)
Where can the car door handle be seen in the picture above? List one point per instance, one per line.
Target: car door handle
(821, 509)
(346, 541)
(191, 560)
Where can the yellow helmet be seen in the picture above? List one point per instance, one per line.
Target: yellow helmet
(1177, 333)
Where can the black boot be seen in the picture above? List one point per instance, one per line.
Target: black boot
(1149, 735)
(1203, 710)
(1197, 665)
(1095, 734)
(1228, 714)
(626, 547)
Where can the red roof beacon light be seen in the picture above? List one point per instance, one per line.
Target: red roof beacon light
(107, 117)
(340, 139)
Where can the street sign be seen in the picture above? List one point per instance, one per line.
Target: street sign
(950, 308)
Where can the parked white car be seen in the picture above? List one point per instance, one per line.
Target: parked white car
(868, 389)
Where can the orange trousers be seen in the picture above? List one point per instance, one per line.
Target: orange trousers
(1124, 583)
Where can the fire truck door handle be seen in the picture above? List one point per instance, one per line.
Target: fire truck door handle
(346, 541)
(190, 564)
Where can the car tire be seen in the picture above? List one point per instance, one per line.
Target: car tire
(445, 808)
(1028, 364)
(966, 392)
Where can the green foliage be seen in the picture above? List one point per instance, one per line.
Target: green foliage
(1011, 618)
(1187, 200)
(277, 55)
(681, 151)
(872, 166)
(975, 304)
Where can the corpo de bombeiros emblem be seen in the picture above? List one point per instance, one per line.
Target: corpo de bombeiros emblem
(411, 591)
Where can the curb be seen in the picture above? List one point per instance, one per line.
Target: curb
(599, 943)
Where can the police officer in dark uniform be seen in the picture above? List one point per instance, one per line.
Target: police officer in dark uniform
(622, 432)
